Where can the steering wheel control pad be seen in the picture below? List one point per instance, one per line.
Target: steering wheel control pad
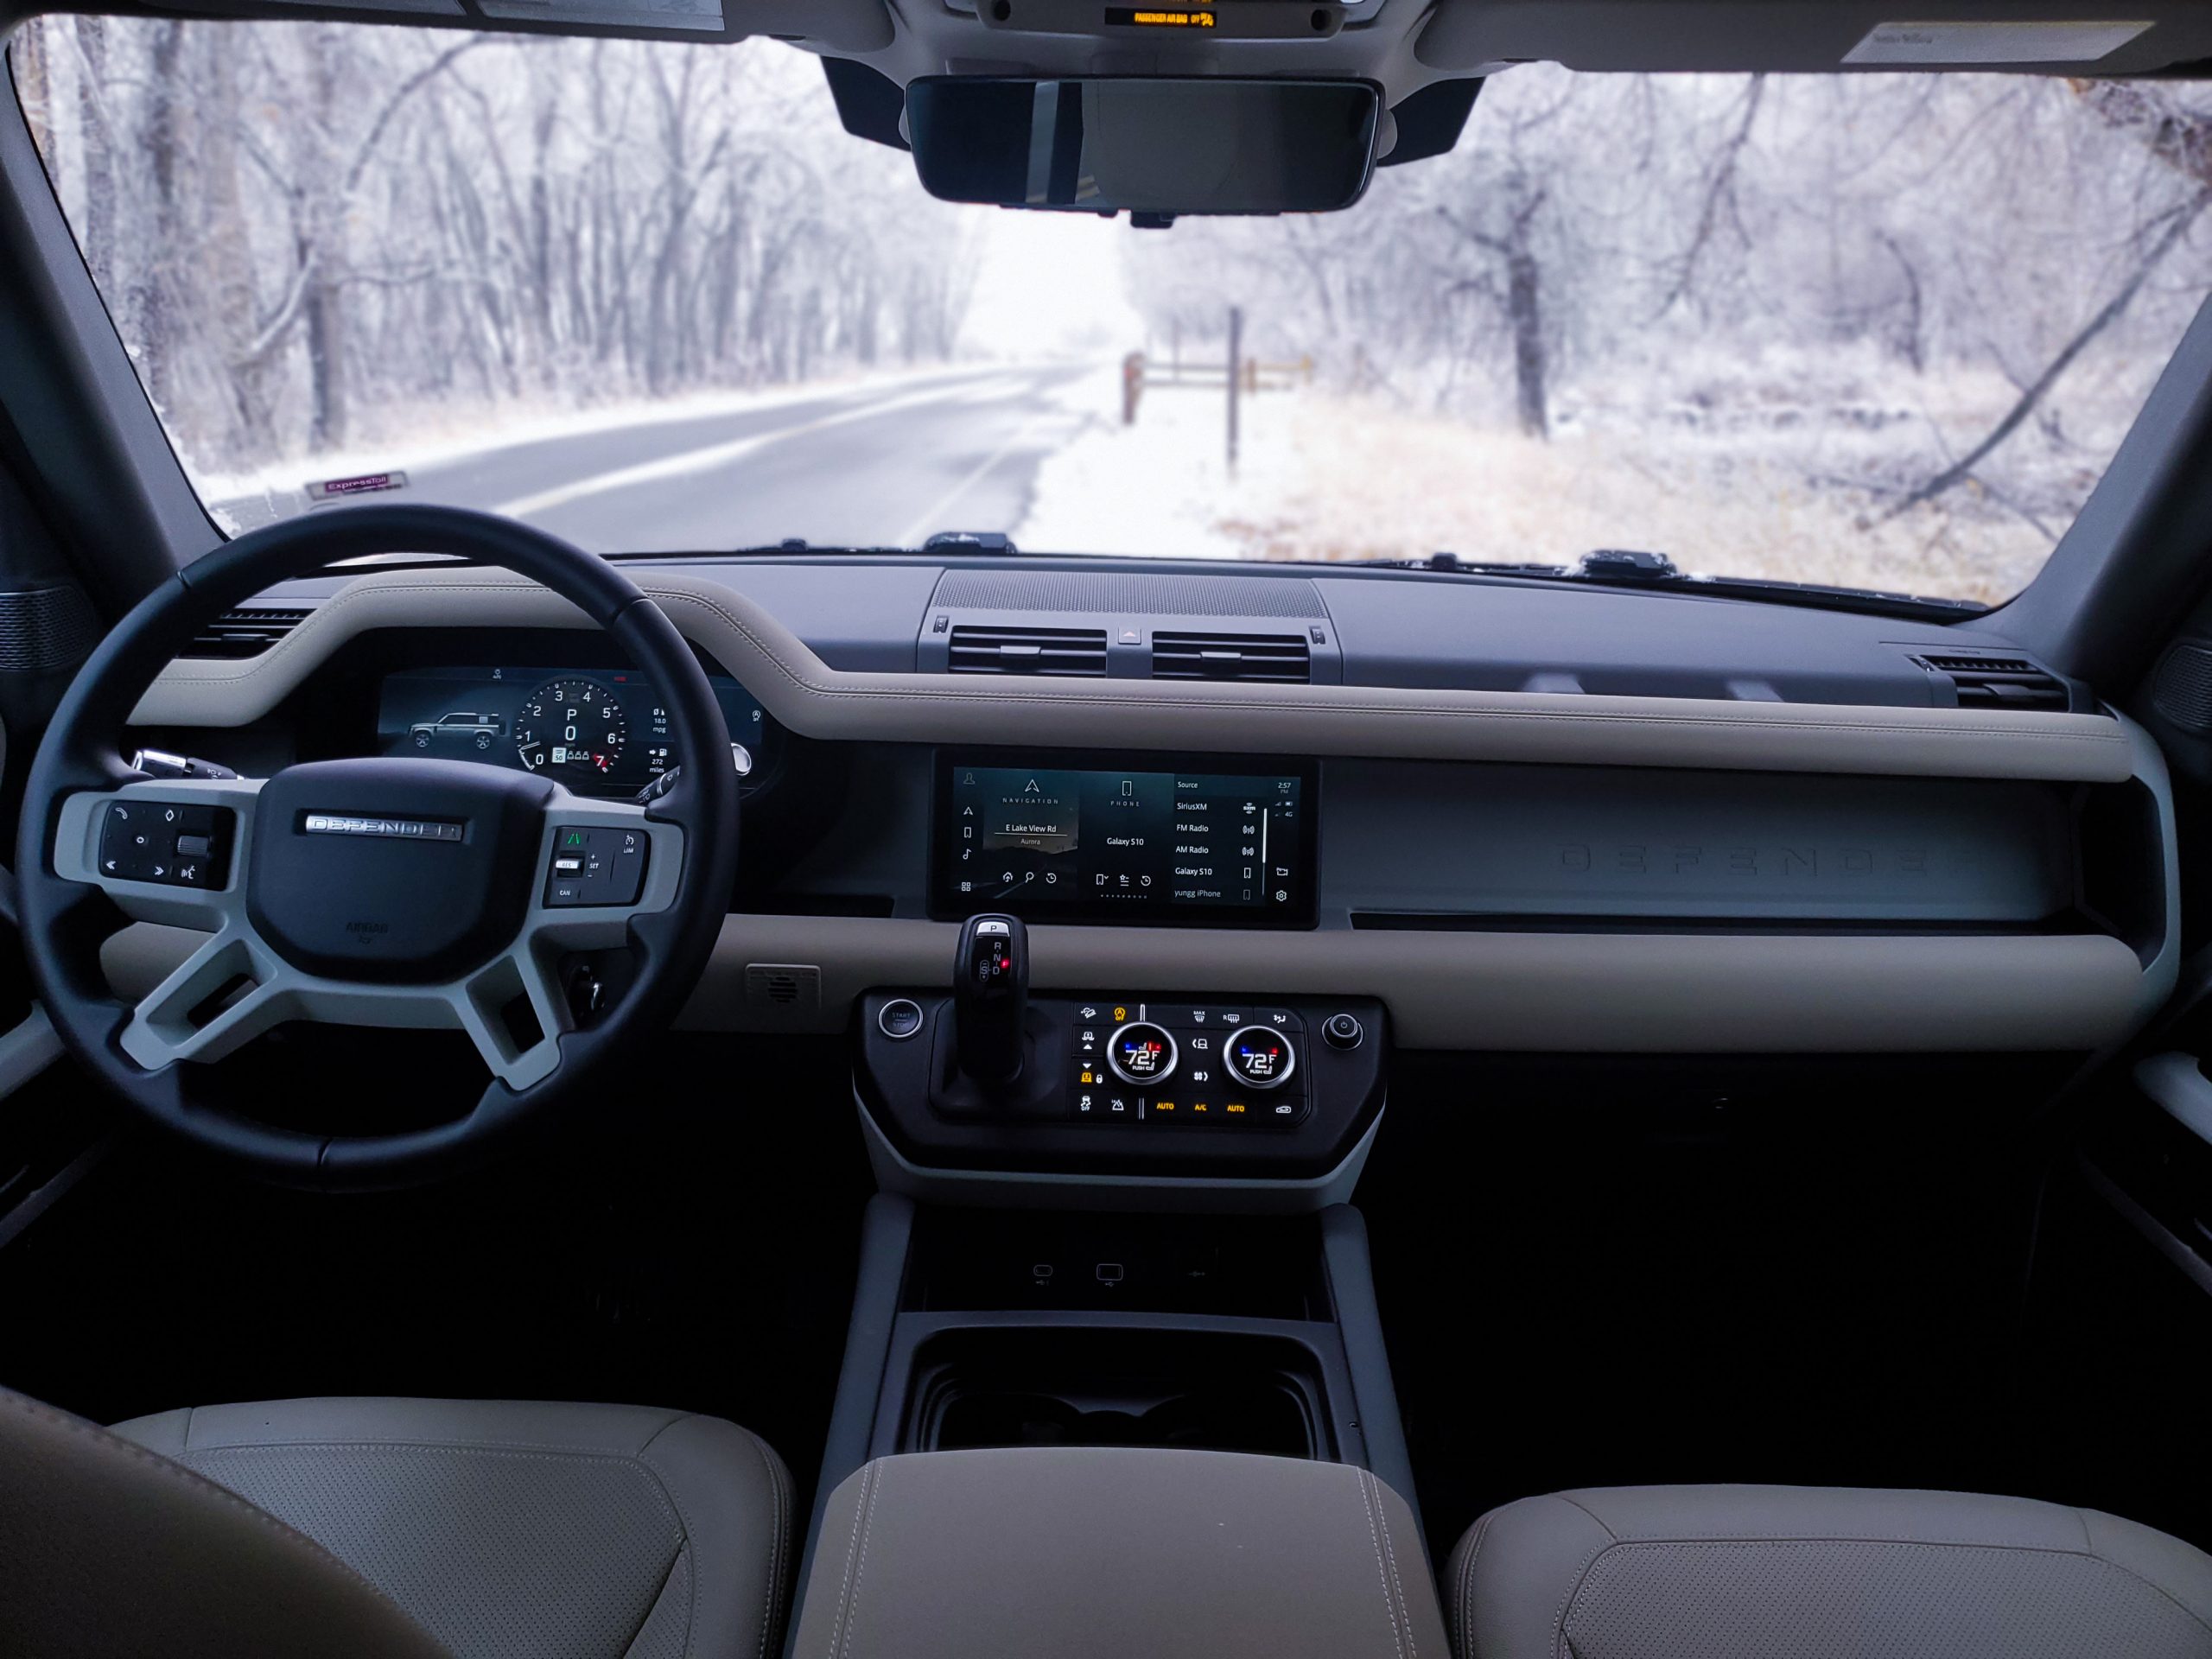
(395, 869)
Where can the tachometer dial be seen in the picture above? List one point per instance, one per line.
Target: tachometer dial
(572, 730)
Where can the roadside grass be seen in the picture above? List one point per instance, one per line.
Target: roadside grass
(1326, 476)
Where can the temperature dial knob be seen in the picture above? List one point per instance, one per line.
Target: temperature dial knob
(1258, 1057)
(1141, 1052)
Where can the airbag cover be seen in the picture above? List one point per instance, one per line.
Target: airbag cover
(394, 869)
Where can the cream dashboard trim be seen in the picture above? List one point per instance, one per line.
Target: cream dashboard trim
(1627, 993)
(809, 696)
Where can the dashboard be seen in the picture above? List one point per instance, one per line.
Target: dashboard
(1520, 819)
(599, 732)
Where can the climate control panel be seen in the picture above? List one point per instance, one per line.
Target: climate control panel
(1230, 1066)
(1124, 1080)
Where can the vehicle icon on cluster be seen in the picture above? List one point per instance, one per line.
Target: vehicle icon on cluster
(481, 728)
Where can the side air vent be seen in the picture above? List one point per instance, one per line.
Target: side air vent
(1279, 659)
(1078, 651)
(1996, 681)
(243, 633)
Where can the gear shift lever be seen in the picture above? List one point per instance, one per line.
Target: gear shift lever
(990, 993)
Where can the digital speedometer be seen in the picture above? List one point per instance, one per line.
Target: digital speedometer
(571, 729)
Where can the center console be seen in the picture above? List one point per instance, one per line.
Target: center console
(1241, 1347)
(1124, 1081)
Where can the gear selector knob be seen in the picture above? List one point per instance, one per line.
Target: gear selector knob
(990, 993)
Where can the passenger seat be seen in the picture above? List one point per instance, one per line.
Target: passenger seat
(1766, 1572)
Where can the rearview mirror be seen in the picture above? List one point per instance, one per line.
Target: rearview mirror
(1152, 146)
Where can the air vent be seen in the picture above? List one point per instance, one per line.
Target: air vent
(1280, 659)
(243, 633)
(1078, 651)
(2000, 682)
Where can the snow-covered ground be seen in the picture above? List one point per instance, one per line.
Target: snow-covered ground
(1162, 487)
(1734, 490)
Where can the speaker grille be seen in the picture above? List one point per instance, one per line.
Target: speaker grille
(2182, 691)
(44, 629)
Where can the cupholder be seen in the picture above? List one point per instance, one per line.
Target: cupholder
(1055, 1386)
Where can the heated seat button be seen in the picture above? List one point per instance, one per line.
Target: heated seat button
(1105, 1105)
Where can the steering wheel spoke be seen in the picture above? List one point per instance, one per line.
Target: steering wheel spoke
(599, 864)
(228, 991)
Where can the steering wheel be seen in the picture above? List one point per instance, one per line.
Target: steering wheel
(398, 892)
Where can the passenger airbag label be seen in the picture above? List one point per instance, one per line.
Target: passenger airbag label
(1987, 42)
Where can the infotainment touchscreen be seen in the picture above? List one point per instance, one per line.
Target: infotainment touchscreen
(1047, 837)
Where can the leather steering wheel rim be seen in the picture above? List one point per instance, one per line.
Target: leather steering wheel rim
(66, 918)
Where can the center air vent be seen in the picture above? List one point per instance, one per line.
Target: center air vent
(1079, 651)
(1997, 682)
(236, 634)
(1281, 659)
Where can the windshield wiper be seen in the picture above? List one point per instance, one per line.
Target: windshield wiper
(790, 546)
(1631, 568)
(945, 540)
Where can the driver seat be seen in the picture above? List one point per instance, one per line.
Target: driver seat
(397, 1528)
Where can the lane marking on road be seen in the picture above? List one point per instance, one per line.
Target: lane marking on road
(934, 520)
(688, 462)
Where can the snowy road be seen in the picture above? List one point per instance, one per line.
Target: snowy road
(873, 466)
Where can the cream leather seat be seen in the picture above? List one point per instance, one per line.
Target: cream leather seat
(407, 1527)
(1762, 1572)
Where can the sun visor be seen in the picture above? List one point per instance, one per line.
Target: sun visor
(849, 25)
(1814, 36)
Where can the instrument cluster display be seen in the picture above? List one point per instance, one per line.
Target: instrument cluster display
(596, 731)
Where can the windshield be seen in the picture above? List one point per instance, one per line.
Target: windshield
(1876, 331)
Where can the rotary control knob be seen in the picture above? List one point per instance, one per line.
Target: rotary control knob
(1141, 1053)
(1259, 1057)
